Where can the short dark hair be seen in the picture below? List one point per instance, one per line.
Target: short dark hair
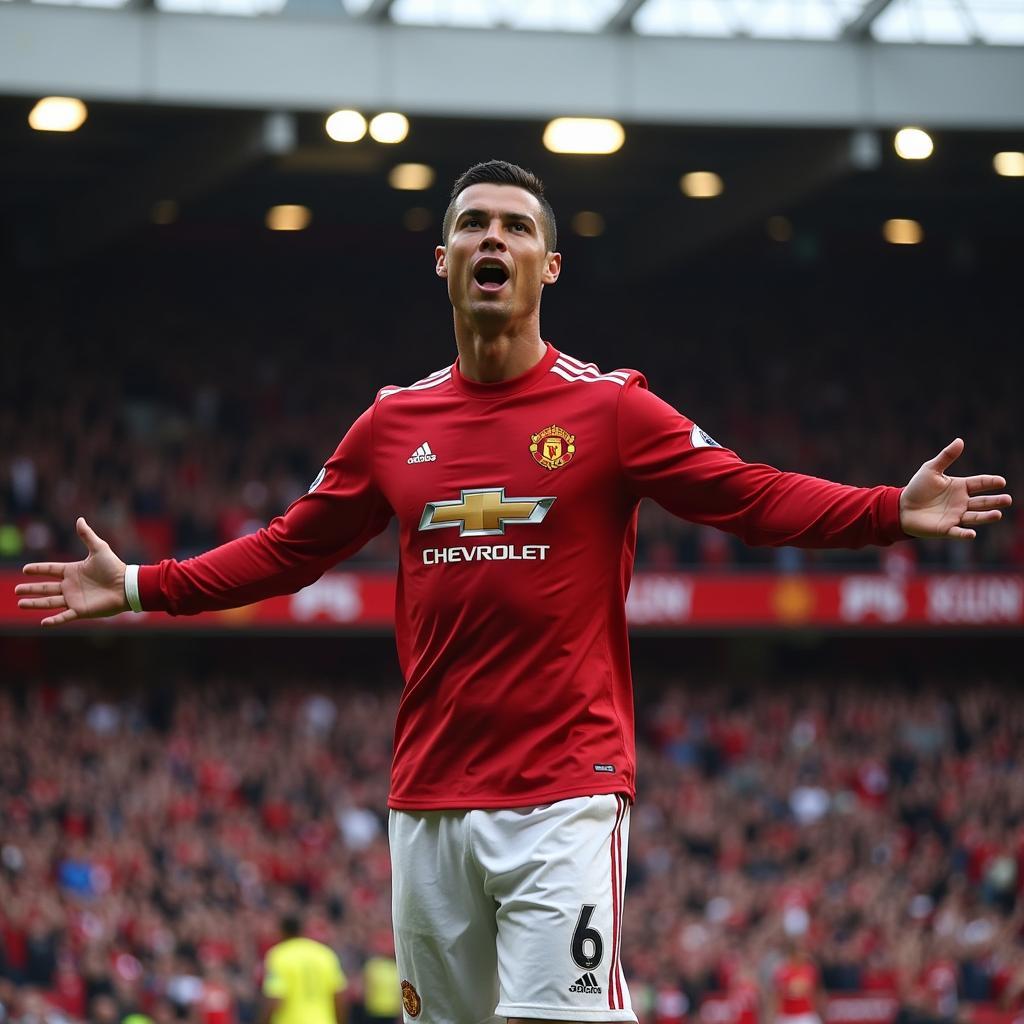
(290, 925)
(501, 172)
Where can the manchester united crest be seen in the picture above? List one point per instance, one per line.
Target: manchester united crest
(552, 447)
(411, 999)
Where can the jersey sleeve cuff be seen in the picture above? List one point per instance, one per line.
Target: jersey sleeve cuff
(151, 597)
(131, 587)
(889, 516)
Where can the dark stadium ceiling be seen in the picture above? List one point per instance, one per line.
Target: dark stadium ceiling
(998, 22)
(66, 196)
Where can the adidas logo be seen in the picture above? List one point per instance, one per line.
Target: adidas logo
(422, 454)
(587, 984)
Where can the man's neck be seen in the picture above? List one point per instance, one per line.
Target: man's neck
(502, 355)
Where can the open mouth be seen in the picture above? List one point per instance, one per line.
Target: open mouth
(490, 276)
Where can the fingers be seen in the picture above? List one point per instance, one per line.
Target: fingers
(977, 484)
(974, 518)
(36, 589)
(948, 455)
(45, 569)
(43, 602)
(58, 620)
(987, 501)
(959, 533)
(89, 536)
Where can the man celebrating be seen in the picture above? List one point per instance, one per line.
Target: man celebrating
(515, 474)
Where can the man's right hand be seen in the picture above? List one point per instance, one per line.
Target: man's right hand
(90, 589)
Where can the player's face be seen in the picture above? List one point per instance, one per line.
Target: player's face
(496, 261)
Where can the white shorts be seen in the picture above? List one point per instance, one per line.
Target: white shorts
(511, 913)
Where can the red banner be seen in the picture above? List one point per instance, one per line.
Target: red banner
(657, 601)
(853, 599)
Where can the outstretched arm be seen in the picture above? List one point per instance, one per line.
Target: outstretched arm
(936, 505)
(340, 513)
(666, 457)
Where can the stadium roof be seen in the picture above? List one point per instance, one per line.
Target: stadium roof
(950, 22)
(187, 105)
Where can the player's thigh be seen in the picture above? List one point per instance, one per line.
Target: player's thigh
(558, 874)
(444, 922)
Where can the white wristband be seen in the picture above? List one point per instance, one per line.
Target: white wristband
(131, 587)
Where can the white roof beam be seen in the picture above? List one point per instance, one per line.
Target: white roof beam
(621, 19)
(378, 10)
(860, 27)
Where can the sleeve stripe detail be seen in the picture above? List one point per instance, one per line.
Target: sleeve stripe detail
(591, 369)
(573, 361)
(422, 384)
(436, 373)
(572, 364)
(131, 588)
(586, 380)
(438, 377)
(589, 377)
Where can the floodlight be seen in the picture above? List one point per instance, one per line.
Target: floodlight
(591, 135)
(58, 114)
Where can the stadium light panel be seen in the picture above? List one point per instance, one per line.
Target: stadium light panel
(107, 4)
(588, 135)
(288, 217)
(701, 185)
(997, 22)
(923, 22)
(1009, 164)
(389, 128)
(588, 224)
(537, 15)
(58, 114)
(411, 177)
(345, 126)
(900, 231)
(758, 19)
(913, 144)
(951, 21)
(226, 8)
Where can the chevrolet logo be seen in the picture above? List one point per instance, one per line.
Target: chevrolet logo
(483, 512)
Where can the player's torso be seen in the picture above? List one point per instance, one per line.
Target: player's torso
(305, 971)
(513, 492)
(516, 544)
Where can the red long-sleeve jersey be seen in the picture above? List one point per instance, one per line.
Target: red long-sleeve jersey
(516, 503)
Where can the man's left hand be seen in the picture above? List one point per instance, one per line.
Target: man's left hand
(936, 505)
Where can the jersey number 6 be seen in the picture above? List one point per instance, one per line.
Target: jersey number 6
(587, 945)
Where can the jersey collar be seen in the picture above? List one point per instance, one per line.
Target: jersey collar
(503, 388)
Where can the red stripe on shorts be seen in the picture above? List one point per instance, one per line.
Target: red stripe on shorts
(613, 972)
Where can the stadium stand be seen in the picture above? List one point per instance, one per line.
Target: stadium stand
(150, 839)
(176, 420)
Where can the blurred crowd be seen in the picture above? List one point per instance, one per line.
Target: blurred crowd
(177, 417)
(150, 841)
